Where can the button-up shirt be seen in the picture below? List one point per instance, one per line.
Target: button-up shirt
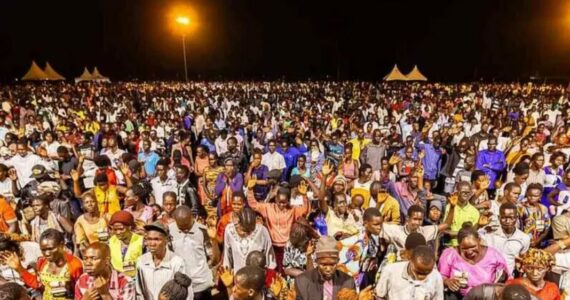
(194, 248)
(151, 278)
(273, 161)
(121, 287)
(396, 283)
(159, 187)
(510, 246)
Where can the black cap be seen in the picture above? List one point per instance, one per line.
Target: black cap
(38, 171)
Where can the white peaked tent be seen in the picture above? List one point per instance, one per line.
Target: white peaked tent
(395, 75)
(35, 73)
(51, 73)
(96, 76)
(86, 76)
(416, 75)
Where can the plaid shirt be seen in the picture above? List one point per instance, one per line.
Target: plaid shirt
(121, 287)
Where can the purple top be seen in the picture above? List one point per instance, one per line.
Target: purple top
(236, 183)
(485, 271)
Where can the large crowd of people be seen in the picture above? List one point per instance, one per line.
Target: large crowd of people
(284, 190)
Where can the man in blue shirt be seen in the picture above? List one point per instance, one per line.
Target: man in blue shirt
(149, 158)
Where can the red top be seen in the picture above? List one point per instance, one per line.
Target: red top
(549, 292)
(74, 266)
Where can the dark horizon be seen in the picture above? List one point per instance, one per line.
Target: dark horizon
(247, 39)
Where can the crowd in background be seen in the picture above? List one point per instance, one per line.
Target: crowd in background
(284, 190)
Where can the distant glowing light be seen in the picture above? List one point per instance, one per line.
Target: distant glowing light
(183, 20)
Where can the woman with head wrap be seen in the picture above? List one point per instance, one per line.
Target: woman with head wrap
(534, 265)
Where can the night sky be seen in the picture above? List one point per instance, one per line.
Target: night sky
(292, 39)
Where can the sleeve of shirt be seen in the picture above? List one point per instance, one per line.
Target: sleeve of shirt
(139, 281)
(261, 208)
(382, 286)
(80, 235)
(439, 288)
(227, 250)
(445, 262)
(128, 290)
(78, 294)
(8, 213)
(269, 253)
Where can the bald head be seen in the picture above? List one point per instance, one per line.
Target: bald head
(184, 218)
(102, 248)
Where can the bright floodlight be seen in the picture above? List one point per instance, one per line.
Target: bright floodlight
(183, 20)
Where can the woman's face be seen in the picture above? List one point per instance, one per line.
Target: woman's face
(301, 162)
(558, 161)
(212, 160)
(169, 204)
(539, 162)
(409, 153)
(237, 204)
(470, 247)
(201, 153)
(90, 204)
(130, 198)
(49, 138)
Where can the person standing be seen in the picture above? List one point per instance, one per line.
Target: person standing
(158, 265)
(100, 280)
(198, 246)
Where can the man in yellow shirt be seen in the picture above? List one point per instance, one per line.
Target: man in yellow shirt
(358, 144)
(387, 205)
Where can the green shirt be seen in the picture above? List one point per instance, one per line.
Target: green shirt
(468, 213)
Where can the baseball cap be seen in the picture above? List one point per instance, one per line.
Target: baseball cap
(157, 226)
(437, 204)
(38, 171)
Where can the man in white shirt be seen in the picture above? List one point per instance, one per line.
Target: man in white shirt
(221, 142)
(162, 183)
(24, 161)
(193, 243)
(272, 159)
(158, 265)
(508, 239)
(416, 279)
(113, 152)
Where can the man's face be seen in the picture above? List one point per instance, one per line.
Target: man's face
(232, 145)
(22, 150)
(272, 147)
(539, 162)
(420, 270)
(240, 292)
(513, 194)
(327, 267)
(434, 214)
(161, 171)
(415, 221)
(181, 175)
(492, 145)
(155, 241)
(146, 145)
(508, 219)
(374, 225)
(94, 263)
(51, 250)
(464, 194)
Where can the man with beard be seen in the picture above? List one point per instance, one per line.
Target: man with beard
(100, 280)
(325, 281)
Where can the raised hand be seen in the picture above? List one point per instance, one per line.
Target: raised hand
(13, 174)
(124, 169)
(453, 199)
(11, 260)
(276, 285)
(302, 187)
(252, 182)
(74, 175)
(226, 275)
(327, 168)
(394, 159)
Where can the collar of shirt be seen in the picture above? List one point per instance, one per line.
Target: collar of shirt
(147, 260)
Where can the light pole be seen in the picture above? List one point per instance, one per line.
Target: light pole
(184, 21)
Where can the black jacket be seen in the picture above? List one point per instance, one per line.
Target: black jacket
(187, 196)
(309, 285)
